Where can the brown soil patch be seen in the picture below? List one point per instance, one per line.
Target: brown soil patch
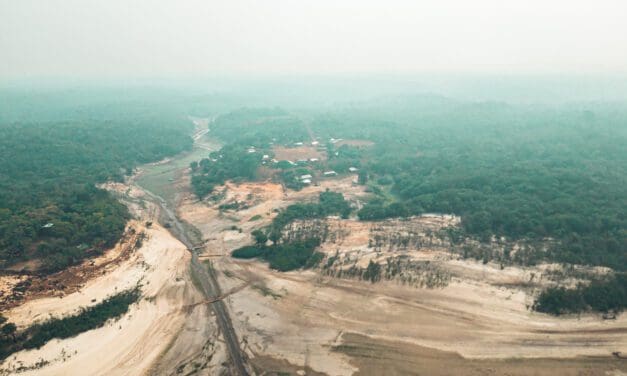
(380, 357)
(293, 154)
(266, 365)
(343, 185)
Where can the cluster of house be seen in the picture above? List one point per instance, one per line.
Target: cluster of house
(313, 143)
(252, 149)
(307, 178)
(304, 161)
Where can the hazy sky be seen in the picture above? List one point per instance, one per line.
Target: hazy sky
(150, 38)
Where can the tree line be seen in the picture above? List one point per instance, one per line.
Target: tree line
(93, 317)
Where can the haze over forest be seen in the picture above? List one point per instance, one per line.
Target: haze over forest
(151, 39)
(521, 51)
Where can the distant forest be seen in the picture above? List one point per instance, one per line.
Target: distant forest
(51, 212)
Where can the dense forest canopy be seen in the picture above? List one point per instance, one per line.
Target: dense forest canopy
(50, 208)
(519, 172)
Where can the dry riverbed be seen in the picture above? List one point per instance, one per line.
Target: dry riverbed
(479, 322)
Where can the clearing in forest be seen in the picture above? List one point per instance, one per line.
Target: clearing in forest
(297, 153)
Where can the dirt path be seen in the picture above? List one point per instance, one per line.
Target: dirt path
(205, 276)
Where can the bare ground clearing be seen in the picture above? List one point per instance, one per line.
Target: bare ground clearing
(283, 153)
(378, 357)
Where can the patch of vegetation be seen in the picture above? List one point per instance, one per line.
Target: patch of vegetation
(89, 318)
(229, 274)
(329, 203)
(604, 295)
(235, 206)
(233, 161)
(265, 291)
(284, 257)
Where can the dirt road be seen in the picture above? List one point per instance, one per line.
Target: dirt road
(205, 275)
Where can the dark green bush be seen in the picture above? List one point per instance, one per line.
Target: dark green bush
(284, 257)
(87, 319)
(605, 295)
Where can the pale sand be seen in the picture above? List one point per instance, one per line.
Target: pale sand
(131, 344)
